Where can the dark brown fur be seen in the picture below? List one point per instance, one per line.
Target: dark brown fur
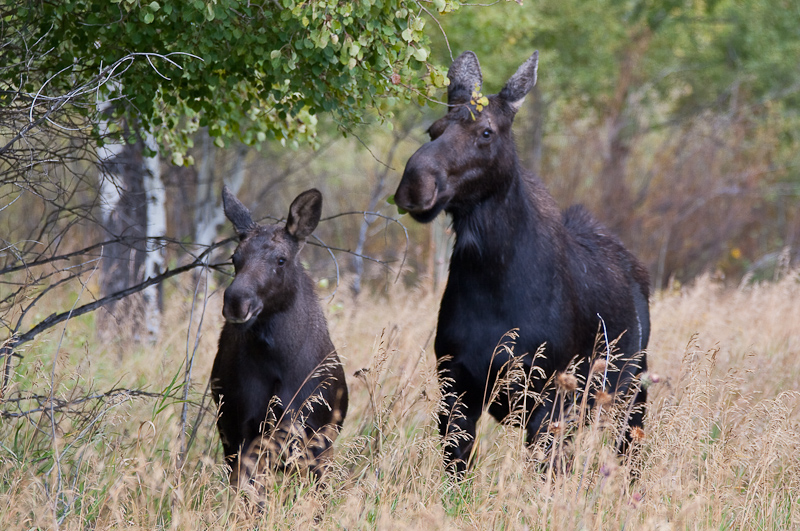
(518, 262)
(277, 379)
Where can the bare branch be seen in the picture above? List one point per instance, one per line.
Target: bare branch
(56, 318)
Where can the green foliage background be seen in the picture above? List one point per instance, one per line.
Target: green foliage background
(246, 71)
(653, 80)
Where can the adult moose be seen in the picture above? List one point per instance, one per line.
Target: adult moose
(517, 262)
(277, 380)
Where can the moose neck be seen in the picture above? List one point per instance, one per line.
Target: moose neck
(285, 320)
(490, 231)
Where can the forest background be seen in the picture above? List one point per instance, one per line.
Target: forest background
(677, 122)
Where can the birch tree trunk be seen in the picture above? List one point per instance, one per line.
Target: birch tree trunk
(123, 214)
(208, 210)
(155, 231)
(132, 210)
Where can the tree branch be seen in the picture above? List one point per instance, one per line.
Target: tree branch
(56, 318)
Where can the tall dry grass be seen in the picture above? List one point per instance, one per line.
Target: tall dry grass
(721, 450)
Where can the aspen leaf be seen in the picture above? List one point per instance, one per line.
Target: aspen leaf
(420, 54)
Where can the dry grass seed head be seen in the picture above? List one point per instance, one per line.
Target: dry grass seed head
(566, 382)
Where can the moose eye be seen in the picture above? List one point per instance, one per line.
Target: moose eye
(281, 261)
(487, 133)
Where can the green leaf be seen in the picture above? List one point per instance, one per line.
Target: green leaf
(420, 54)
(391, 201)
(263, 72)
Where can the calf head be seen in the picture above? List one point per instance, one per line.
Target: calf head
(471, 153)
(267, 271)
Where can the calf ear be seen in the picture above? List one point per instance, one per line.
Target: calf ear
(236, 212)
(521, 83)
(465, 76)
(304, 214)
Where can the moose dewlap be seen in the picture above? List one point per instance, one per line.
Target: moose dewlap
(518, 263)
(277, 380)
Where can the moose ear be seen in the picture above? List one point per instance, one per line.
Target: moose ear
(521, 83)
(465, 76)
(304, 214)
(236, 212)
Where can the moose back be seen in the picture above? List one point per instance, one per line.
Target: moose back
(517, 263)
(277, 379)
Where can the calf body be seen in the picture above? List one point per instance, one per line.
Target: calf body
(518, 263)
(277, 380)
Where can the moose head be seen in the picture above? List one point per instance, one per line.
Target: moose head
(267, 271)
(471, 153)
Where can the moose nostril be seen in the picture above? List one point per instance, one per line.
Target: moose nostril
(231, 311)
(418, 190)
(237, 307)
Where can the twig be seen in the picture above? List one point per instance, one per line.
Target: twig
(54, 319)
(441, 29)
(190, 364)
(44, 261)
(55, 496)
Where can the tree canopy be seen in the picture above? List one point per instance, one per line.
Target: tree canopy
(245, 70)
(676, 121)
(692, 51)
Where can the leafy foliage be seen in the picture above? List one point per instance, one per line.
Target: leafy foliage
(246, 71)
(682, 108)
(695, 49)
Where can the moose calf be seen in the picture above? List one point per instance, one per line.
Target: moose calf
(277, 380)
(517, 263)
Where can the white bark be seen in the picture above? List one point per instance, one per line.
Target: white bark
(109, 181)
(156, 230)
(208, 213)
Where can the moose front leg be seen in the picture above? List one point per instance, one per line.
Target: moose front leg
(457, 428)
(242, 467)
(548, 409)
(461, 409)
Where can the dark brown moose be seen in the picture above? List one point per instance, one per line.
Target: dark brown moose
(517, 263)
(277, 380)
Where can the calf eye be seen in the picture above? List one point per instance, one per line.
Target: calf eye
(281, 261)
(486, 133)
